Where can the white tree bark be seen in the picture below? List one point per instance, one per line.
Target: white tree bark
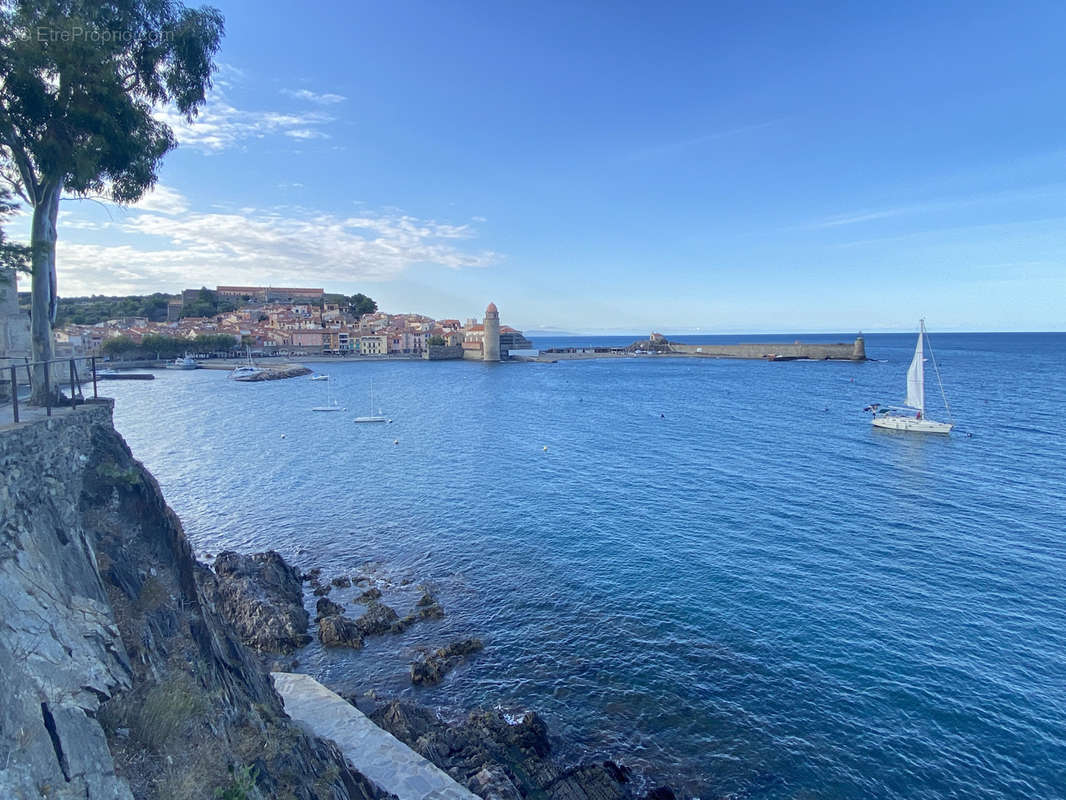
(43, 255)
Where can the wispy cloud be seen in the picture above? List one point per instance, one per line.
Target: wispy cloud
(163, 250)
(324, 98)
(221, 126)
(936, 206)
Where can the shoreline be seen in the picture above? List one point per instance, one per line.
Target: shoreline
(480, 753)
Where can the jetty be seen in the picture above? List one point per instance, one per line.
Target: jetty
(659, 345)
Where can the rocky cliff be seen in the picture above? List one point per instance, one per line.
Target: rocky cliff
(121, 681)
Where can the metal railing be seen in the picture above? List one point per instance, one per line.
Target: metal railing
(51, 399)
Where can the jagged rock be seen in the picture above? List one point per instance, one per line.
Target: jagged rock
(128, 686)
(369, 595)
(661, 793)
(499, 758)
(262, 598)
(377, 619)
(427, 607)
(321, 589)
(339, 631)
(312, 575)
(341, 582)
(432, 668)
(327, 608)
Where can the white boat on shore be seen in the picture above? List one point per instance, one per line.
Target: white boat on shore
(246, 372)
(911, 416)
(319, 376)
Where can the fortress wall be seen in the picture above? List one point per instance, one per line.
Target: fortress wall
(837, 351)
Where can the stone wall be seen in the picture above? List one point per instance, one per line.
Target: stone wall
(443, 352)
(120, 679)
(847, 351)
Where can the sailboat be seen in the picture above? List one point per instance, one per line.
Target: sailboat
(911, 417)
(331, 401)
(372, 417)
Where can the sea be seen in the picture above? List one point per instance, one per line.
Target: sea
(715, 571)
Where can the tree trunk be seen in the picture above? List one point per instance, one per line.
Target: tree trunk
(43, 305)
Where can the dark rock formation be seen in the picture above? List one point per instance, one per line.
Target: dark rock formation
(339, 631)
(321, 589)
(341, 582)
(377, 619)
(327, 608)
(369, 596)
(121, 680)
(432, 667)
(262, 598)
(427, 607)
(499, 760)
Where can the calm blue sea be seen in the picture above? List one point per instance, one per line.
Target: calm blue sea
(717, 571)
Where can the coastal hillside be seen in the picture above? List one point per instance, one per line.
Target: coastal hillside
(121, 679)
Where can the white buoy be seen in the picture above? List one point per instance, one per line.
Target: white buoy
(545, 448)
(395, 441)
(283, 436)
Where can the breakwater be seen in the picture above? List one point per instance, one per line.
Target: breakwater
(769, 351)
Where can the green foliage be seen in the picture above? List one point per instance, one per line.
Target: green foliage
(167, 713)
(12, 256)
(119, 345)
(79, 80)
(99, 308)
(158, 346)
(241, 787)
(359, 304)
(115, 475)
(436, 341)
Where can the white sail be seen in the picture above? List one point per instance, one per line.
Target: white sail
(916, 379)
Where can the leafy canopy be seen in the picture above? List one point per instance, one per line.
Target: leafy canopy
(79, 80)
(12, 255)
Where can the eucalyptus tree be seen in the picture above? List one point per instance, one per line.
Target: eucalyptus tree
(80, 84)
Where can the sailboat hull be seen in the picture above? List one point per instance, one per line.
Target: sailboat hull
(911, 424)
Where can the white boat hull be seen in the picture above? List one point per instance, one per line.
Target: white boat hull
(912, 424)
(370, 419)
(327, 408)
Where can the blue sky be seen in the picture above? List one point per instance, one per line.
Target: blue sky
(613, 166)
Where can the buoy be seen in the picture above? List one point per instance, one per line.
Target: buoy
(545, 448)
(283, 436)
(395, 441)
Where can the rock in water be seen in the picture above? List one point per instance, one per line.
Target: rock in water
(338, 631)
(501, 759)
(327, 608)
(369, 596)
(262, 598)
(432, 668)
(377, 619)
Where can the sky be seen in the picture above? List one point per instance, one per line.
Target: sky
(611, 166)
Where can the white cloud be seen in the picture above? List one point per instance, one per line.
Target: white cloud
(325, 99)
(220, 125)
(250, 246)
(164, 200)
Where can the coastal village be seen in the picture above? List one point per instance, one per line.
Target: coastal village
(290, 321)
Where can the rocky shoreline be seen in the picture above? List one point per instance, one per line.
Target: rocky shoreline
(497, 755)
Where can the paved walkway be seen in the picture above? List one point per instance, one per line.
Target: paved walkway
(381, 757)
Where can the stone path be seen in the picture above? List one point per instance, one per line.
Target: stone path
(381, 757)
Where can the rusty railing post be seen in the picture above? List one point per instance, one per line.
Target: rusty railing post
(73, 379)
(14, 394)
(48, 387)
(93, 360)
